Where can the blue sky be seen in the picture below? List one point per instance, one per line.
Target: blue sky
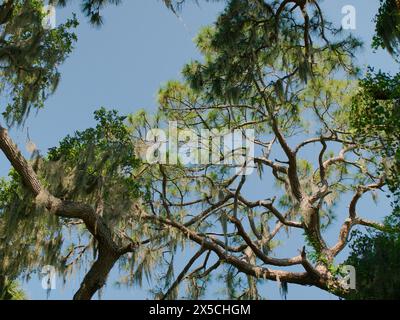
(121, 65)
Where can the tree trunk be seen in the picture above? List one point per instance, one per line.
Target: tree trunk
(97, 275)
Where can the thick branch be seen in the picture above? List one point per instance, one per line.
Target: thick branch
(183, 273)
(109, 250)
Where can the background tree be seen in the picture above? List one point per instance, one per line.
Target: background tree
(387, 26)
(93, 8)
(29, 56)
(376, 259)
(376, 112)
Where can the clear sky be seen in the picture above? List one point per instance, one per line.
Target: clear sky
(121, 65)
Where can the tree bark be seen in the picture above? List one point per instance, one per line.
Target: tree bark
(97, 275)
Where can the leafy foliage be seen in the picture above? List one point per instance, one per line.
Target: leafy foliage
(30, 56)
(376, 257)
(29, 238)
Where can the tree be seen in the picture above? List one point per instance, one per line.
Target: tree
(30, 56)
(387, 32)
(376, 117)
(267, 65)
(376, 259)
(263, 69)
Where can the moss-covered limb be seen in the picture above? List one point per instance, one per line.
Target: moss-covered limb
(109, 251)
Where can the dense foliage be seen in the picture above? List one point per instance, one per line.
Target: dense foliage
(387, 32)
(376, 257)
(321, 137)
